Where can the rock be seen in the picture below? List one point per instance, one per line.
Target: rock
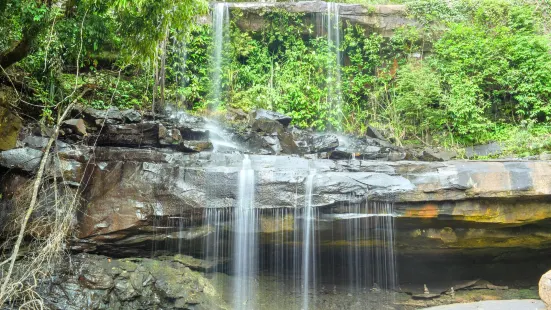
(170, 137)
(26, 159)
(111, 116)
(131, 116)
(40, 143)
(195, 146)
(235, 115)
(544, 156)
(381, 19)
(195, 134)
(270, 115)
(10, 125)
(76, 125)
(490, 149)
(374, 133)
(430, 154)
(130, 135)
(324, 143)
(288, 145)
(545, 288)
(92, 280)
(267, 126)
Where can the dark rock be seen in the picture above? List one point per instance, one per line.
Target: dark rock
(76, 125)
(195, 134)
(26, 159)
(270, 115)
(131, 116)
(130, 135)
(324, 143)
(490, 149)
(267, 126)
(374, 133)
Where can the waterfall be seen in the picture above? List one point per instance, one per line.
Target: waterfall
(308, 242)
(334, 93)
(220, 23)
(245, 245)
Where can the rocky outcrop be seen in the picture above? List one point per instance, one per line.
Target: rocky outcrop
(99, 282)
(382, 19)
(140, 176)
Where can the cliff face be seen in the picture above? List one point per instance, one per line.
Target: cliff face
(144, 173)
(382, 19)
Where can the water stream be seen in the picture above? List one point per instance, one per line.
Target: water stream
(245, 244)
(220, 24)
(308, 250)
(335, 61)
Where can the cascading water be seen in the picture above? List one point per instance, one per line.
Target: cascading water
(308, 242)
(335, 61)
(245, 244)
(220, 23)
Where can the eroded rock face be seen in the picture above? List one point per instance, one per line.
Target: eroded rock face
(98, 282)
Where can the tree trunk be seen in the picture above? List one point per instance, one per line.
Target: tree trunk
(21, 49)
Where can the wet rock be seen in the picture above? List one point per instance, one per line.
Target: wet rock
(545, 288)
(270, 115)
(76, 125)
(26, 159)
(374, 133)
(131, 116)
(324, 143)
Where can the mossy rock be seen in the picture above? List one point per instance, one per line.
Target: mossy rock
(10, 124)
